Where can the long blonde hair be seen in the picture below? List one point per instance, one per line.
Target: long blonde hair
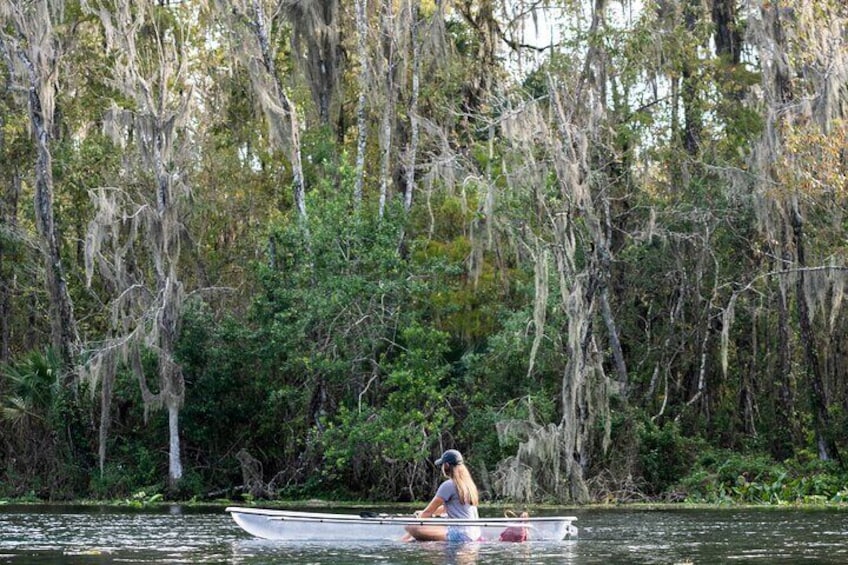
(465, 487)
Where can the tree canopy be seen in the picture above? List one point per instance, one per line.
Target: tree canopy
(596, 245)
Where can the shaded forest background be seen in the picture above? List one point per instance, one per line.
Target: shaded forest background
(299, 247)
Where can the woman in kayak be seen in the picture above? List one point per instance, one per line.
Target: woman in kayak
(457, 497)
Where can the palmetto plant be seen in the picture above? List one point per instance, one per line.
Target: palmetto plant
(30, 388)
(37, 426)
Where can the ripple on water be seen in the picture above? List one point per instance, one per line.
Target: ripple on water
(65, 536)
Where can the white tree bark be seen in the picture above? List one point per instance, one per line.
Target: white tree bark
(388, 63)
(361, 105)
(175, 466)
(412, 152)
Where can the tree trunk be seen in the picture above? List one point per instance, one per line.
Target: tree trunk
(260, 28)
(175, 466)
(7, 278)
(106, 384)
(5, 284)
(61, 311)
(615, 343)
(172, 388)
(787, 430)
(727, 33)
(315, 44)
(387, 129)
(818, 397)
(361, 105)
(412, 151)
(690, 90)
(9, 218)
(40, 60)
(748, 410)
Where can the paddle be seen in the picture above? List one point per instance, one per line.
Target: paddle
(369, 514)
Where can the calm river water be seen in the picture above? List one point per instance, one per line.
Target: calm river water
(71, 535)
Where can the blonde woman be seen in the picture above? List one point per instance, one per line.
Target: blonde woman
(456, 497)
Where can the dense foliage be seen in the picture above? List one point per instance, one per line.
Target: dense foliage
(297, 249)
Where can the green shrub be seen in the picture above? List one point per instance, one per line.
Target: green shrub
(723, 476)
(665, 456)
(370, 444)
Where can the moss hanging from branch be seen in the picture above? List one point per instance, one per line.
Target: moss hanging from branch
(134, 240)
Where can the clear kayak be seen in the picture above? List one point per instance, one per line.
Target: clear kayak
(312, 526)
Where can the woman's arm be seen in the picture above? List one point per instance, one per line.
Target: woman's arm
(435, 508)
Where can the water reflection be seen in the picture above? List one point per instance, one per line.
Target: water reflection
(462, 553)
(447, 553)
(426, 553)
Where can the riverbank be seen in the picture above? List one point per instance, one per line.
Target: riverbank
(487, 509)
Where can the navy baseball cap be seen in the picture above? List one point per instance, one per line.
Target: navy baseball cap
(451, 457)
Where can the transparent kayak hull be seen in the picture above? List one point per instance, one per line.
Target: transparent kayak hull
(312, 526)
